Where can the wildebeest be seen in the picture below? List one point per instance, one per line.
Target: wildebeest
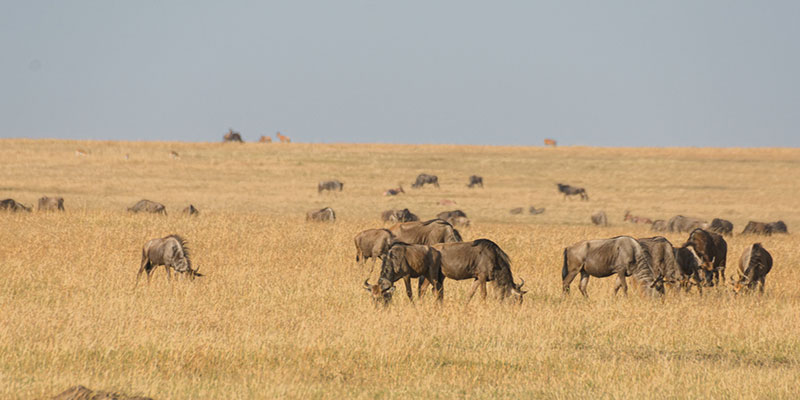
(535, 211)
(330, 186)
(704, 244)
(690, 266)
(622, 255)
(515, 211)
(148, 206)
(754, 264)
(321, 215)
(455, 217)
(675, 265)
(13, 205)
(777, 227)
(169, 251)
(680, 223)
(756, 228)
(428, 232)
(475, 180)
(481, 260)
(721, 226)
(406, 261)
(372, 243)
(425, 178)
(51, 204)
(232, 136)
(720, 260)
(394, 191)
(600, 218)
(403, 215)
(659, 225)
(568, 190)
(191, 210)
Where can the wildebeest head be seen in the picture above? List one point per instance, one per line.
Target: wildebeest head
(381, 293)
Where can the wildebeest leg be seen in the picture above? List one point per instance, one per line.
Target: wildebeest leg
(423, 286)
(567, 281)
(483, 288)
(169, 273)
(621, 284)
(407, 281)
(473, 289)
(761, 285)
(584, 283)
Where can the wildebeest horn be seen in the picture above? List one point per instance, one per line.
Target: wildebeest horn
(367, 286)
(522, 282)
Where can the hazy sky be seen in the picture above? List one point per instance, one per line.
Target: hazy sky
(610, 73)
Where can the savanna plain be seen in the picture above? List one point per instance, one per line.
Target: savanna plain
(281, 311)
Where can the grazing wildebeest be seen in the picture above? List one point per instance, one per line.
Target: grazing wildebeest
(754, 265)
(676, 265)
(680, 223)
(425, 178)
(169, 251)
(13, 205)
(51, 204)
(321, 215)
(690, 266)
(535, 211)
(372, 243)
(232, 136)
(403, 215)
(568, 190)
(721, 226)
(704, 245)
(600, 218)
(516, 211)
(148, 206)
(330, 186)
(756, 228)
(659, 225)
(777, 227)
(394, 191)
(475, 180)
(720, 260)
(407, 261)
(635, 219)
(191, 210)
(428, 232)
(550, 142)
(622, 255)
(481, 260)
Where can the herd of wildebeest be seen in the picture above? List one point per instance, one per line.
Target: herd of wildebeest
(433, 250)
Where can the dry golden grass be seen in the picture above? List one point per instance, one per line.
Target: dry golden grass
(281, 312)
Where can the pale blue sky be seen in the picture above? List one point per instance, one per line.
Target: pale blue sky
(610, 73)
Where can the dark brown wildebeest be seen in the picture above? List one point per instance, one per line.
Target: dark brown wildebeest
(372, 243)
(475, 180)
(148, 206)
(535, 211)
(330, 186)
(406, 261)
(394, 191)
(169, 251)
(777, 227)
(568, 190)
(720, 260)
(403, 215)
(690, 266)
(754, 265)
(425, 178)
(659, 225)
(704, 245)
(13, 205)
(756, 228)
(680, 223)
(622, 255)
(516, 211)
(721, 226)
(232, 136)
(191, 210)
(455, 217)
(600, 218)
(51, 204)
(428, 232)
(321, 215)
(481, 260)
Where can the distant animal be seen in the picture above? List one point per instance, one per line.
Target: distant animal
(372, 243)
(703, 244)
(721, 226)
(659, 225)
(481, 260)
(452, 216)
(600, 218)
(174, 155)
(428, 232)
(169, 251)
(636, 219)
(81, 153)
(422, 179)
(51, 204)
(13, 205)
(283, 138)
(680, 223)
(568, 190)
(757, 228)
(191, 210)
(232, 136)
(475, 180)
(777, 227)
(460, 222)
(322, 215)
(754, 265)
(148, 206)
(446, 202)
(550, 142)
(403, 215)
(330, 186)
(406, 261)
(621, 256)
(265, 139)
(394, 192)
(535, 211)
(516, 211)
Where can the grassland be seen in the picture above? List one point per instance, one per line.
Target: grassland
(281, 312)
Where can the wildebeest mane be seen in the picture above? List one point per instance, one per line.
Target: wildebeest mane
(184, 248)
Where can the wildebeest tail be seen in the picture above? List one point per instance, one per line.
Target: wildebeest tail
(564, 269)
